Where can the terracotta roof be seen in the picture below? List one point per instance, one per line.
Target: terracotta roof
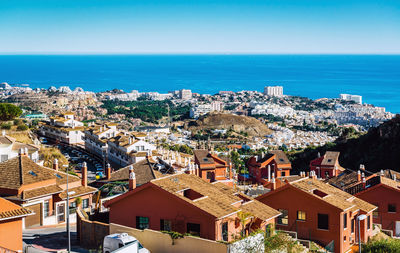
(42, 191)
(123, 140)
(390, 182)
(203, 156)
(9, 210)
(143, 172)
(22, 170)
(330, 158)
(6, 140)
(78, 191)
(31, 148)
(333, 195)
(280, 157)
(217, 199)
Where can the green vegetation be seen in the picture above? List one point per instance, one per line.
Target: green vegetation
(9, 111)
(22, 127)
(280, 242)
(147, 110)
(180, 148)
(6, 125)
(382, 246)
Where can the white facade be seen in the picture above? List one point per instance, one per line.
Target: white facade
(197, 111)
(9, 148)
(275, 91)
(349, 97)
(96, 138)
(132, 96)
(64, 128)
(185, 94)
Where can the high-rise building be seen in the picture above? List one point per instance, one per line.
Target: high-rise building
(185, 94)
(349, 97)
(275, 91)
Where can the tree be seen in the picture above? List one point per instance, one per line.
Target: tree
(9, 111)
(243, 216)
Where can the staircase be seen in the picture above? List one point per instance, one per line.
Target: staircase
(301, 245)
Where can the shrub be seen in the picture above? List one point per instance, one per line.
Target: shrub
(17, 122)
(9, 111)
(22, 128)
(6, 126)
(382, 246)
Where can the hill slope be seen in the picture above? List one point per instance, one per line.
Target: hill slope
(252, 126)
(378, 149)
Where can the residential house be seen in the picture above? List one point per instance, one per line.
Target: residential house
(11, 216)
(42, 190)
(125, 149)
(212, 168)
(263, 167)
(185, 203)
(327, 165)
(378, 189)
(64, 128)
(96, 138)
(9, 148)
(320, 212)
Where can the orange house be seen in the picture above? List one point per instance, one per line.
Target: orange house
(327, 165)
(263, 167)
(11, 216)
(320, 212)
(42, 190)
(212, 168)
(186, 203)
(378, 190)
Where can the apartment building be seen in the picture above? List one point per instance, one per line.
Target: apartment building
(125, 149)
(276, 91)
(188, 204)
(327, 165)
(96, 137)
(64, 128)
(320, 212)
(380, 189)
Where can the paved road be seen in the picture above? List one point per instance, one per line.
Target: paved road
(52, 239)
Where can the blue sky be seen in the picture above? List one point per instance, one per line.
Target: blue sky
(202, 26)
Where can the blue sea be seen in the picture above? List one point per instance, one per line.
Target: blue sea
(375, 77)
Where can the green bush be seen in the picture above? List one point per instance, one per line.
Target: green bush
(17, 122)
(22, 128)
(382, 246)
(5, 126)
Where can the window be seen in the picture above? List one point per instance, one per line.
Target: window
(193, 229)
(225, 231)
(142, 222)
(345, 220)
(283, 219)
(4, 158)
(283, 173)
(352, 225)
(323, 221)
(391, 208)
(375, 213)
(46, 208)
(368, 222)
(85, 203)
(165, 225)
(301, 215)
(210, 175)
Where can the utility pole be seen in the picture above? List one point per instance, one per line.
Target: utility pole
(68, 230)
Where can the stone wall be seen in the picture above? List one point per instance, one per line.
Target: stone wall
(90, 233)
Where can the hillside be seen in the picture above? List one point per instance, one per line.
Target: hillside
(378, 149)
(249, 125)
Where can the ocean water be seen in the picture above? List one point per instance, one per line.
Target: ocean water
(375, 77)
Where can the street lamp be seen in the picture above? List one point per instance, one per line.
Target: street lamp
(68, 230)
(360, 218)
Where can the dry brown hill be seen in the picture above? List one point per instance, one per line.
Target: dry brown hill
(252, 126)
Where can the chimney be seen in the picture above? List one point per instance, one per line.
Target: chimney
(269, 173)
(394, 177)
(382, 173)
(312, 174)
(132, 179)
(273, 182)
(130, 140)
(3, 133)
(84, 174)
(363, 180)
(26, 151)
(108, 171)
(55, 164)
(358, 176)
(230, 170)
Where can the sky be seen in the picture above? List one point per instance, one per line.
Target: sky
(200, 26)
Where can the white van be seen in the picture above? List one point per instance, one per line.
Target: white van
(122, 243)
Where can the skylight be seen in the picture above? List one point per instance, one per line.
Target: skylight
(32, 173)
(192, 194)
(319, 193)
(57, 175)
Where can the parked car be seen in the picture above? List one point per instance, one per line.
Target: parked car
(122, 243)
(43, 140)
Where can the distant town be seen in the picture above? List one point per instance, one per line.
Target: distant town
(187, 172)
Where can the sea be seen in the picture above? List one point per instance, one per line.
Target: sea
(375, 77)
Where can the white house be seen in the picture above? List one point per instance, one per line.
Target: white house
(10, 148)
(64, 128)
(96, 137)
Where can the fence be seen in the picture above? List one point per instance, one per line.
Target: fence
(90, 233)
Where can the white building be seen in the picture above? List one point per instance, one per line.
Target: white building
(274, 91)
(185, 94)
(349, 97)
(10, 148)
(126, 149)
(202, 109)
(64, 128)
(96, 138)
(132, 96)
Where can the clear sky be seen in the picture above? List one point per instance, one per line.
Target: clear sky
(201, 26)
